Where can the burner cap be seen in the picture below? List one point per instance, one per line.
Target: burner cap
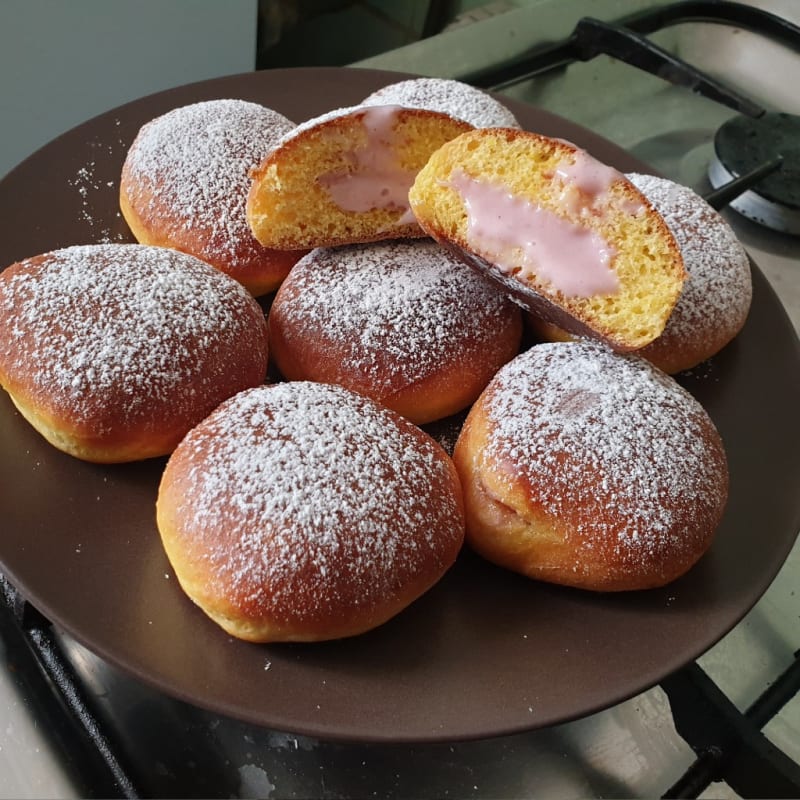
(744, 143)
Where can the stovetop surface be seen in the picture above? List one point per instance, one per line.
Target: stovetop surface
(631, 750)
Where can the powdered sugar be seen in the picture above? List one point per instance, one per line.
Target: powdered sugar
(448, 96)
(95, 191)
(393, 312)
(319, 120)
(611, 444)
(303, 490)
(716, 298)
(194, 163)
(88, 186)
(106, 330)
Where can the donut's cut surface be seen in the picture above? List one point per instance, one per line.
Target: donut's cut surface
(404, 323)
(185, 181)
(570, 238)
(591, 469)
(343, 177)
(113, 352)
(303, 512)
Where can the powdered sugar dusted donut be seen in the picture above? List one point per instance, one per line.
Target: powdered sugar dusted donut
(587, 468)
(113, 352)
(715, 301)
(185, 182)
(449, 96)
(302, 512)
(402, 322)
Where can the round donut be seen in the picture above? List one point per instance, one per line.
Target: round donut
(402, 322)
(449, 96)
(715, 300)
(304, 512)
(590, 469)
(185, 182)
(114, 351)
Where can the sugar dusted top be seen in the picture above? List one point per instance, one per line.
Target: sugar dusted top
(449, 96)
(192, 164)
(298, 493)
(395, 310)
(610, 443)
(111, 331)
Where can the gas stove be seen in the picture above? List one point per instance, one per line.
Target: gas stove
(727, 725)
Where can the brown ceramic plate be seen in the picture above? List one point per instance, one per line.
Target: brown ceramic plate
(485, 652)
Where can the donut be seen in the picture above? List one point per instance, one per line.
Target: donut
(715, 301)
(716, 298)
(185, 181)
(343, 177)
(114, 351)
(590, 469)
(303, 512)
(570, 238)
(402, 322)
(449, 96)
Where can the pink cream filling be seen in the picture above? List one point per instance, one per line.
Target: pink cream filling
(376, 181)
(526, 240)
(590, 176)
(587, 180)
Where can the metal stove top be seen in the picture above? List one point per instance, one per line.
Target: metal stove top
(135, 740)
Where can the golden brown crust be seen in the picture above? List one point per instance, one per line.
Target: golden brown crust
(368, 153)
(304, 512)
(184, 185)
(576, 195)
(590, 469)
(113, 352)
(400, 322)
